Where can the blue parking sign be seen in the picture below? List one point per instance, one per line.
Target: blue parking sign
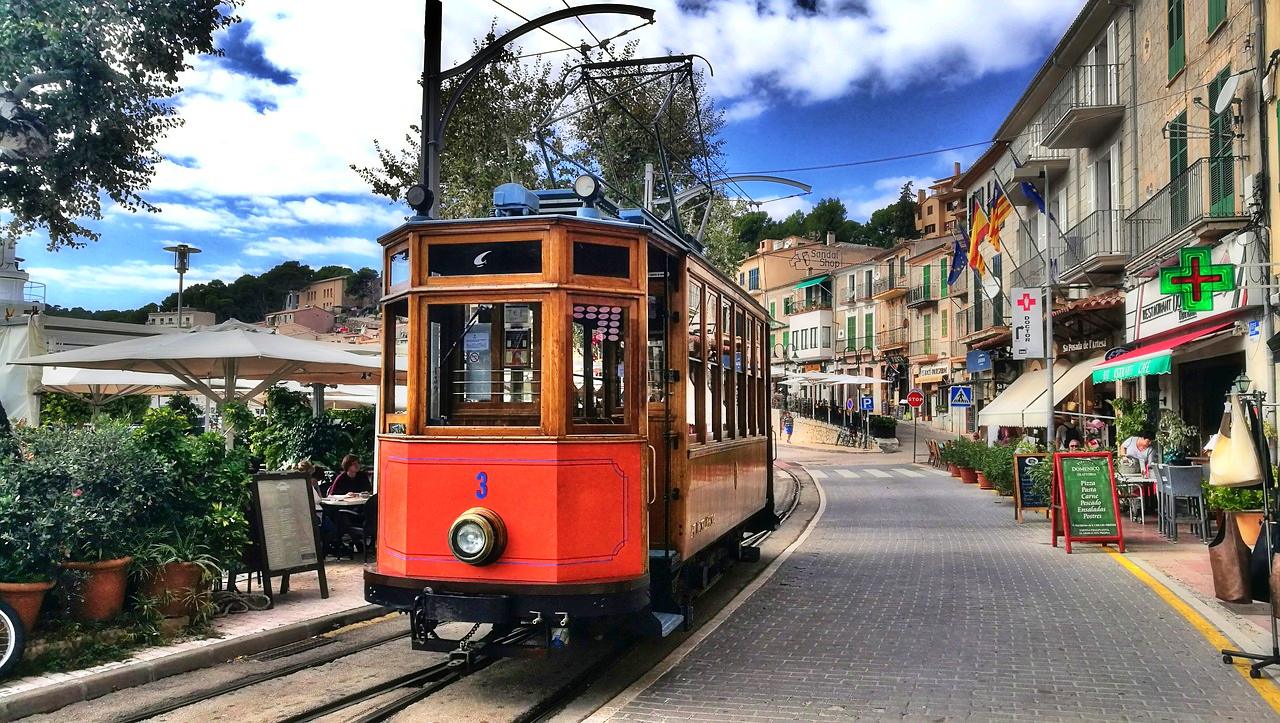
(961, 396)
(868, 404)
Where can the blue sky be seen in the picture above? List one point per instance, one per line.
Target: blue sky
(259, 173)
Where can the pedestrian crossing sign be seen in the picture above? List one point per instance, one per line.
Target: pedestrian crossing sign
(961, 396)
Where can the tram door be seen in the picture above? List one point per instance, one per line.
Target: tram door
(663, 272)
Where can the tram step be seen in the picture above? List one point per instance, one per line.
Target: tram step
(668, 622)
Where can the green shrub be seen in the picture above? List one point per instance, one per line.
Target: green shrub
(883, 427)
(997, 465)
(1233, 498)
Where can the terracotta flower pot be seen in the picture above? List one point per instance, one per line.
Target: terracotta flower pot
(99, 594)
(174, 586)
(969, 475)
(1250, 524)
(26, 598)
(983, 482)
(954, 470)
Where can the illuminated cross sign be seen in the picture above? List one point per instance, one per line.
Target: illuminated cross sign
(1026, 302)
(1196, 278)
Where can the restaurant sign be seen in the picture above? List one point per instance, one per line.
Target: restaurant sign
(1149, 312)
(1069, 347)
(1158, 364)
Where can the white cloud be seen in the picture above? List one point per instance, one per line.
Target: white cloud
(862, 202)
(133, 275)
(745, 110)
(304, 248)
(784, 207)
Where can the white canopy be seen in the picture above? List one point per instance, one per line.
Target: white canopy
(107, 382)
(1023, 403)
(850, 379)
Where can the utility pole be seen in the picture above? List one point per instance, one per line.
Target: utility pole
(424, 196)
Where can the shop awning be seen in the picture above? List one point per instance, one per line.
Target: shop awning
(1064, 383)
(930, 379)
(812, 282)
(1007, 408)
(1150, 359)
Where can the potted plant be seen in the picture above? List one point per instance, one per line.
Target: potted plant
(948, 456)
(177, 575)
(28, 539)
(1242, 505)
(966, 457)
(998, 468)
(884, 430)
(981, 462)
(1174, 437)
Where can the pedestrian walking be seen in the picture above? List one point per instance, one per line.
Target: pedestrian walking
(788, 423)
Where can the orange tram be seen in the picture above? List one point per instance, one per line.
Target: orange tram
(583, 431)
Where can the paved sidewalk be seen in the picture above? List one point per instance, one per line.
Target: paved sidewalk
(917, 597)
(291, 611)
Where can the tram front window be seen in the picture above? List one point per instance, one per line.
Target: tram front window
(483, 365)
(599, 364)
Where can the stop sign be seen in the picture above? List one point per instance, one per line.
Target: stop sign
(915, 399)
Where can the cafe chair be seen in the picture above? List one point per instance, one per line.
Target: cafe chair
(367, 531)
(1182, 483)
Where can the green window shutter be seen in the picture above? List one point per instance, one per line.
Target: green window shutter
(1179, 191)
(868, 326)
(1177, 37)
(928, 332)
(1217, 13)
(1222, 196)
(773, 309)
(851, 332)
(942, 277)
(928, 283)
(943, 335)
(786, 341)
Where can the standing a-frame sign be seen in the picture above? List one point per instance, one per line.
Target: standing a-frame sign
(285, 533)
(1085, 503)
(1024, 496)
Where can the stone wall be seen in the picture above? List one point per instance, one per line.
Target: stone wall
(806, 431)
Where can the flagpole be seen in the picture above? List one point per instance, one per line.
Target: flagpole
(1048, 317)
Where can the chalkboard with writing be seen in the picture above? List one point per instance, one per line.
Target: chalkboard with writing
(1086, 500)
(286, 539)
(1024, 493)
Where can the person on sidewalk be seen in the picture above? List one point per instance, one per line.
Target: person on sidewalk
(788, 423)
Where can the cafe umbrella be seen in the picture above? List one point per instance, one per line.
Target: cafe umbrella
(100, 387)
(231, 351)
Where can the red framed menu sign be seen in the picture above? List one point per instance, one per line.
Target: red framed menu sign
(1086, 506)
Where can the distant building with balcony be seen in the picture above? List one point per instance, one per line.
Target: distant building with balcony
(191, 318)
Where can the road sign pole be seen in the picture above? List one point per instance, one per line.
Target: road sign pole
(915, 426)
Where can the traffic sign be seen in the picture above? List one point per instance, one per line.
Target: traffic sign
(848, 404)
(868, 404)
(915, 399)
(961, 396)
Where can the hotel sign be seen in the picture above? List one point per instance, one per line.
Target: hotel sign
(1068, 347)
(1149, 312)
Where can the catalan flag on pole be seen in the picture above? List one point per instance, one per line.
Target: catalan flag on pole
(1000, 210)
(980, 228)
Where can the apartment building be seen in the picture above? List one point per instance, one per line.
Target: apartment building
(794, 278)
(191, 318)
(857, 351)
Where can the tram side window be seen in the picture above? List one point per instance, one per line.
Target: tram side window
(728, 393)
(484, 364)
(395, 348)
(694, 383)
(712, 398)
(740, 337)
(763, 415)
(599, 354)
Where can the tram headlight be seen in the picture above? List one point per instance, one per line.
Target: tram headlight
(478, 536)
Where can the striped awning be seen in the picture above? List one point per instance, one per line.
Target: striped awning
(1150, 359)
(812, 282)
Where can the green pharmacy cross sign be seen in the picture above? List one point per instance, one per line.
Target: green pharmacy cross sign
(1196, 278)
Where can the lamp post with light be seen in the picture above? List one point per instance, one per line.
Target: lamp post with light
(1251, 402)
(181, 255)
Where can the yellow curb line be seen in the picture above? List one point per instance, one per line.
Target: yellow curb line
(1266, 687)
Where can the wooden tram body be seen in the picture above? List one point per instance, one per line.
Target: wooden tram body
(593, 389)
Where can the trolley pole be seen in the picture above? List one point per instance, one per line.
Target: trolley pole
(1048, 314)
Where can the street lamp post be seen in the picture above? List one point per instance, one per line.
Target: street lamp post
(181, 254)
(423, 196)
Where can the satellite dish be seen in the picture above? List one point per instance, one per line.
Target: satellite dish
(1226, 94)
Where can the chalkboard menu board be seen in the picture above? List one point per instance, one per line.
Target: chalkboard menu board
(1085, 500)
(286, 536)
(1024, 494)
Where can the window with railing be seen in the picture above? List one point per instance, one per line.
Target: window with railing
(1221, 140)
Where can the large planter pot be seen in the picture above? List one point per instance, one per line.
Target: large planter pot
(1250, 524)
(99, 591)
(983, 482)
(969, 475)
(26, 598)
(954, 470)
(175, 587)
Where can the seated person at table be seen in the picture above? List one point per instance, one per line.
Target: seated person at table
(1139, 447)
(350, 479)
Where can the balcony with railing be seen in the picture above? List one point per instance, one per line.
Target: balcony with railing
(1096, 245)
(888, 286)
(862, 293)
(982, 322)
(801, 306)
(922, 294)
(1029, 270)
(1202, 202)
(1086, 106)
(1032, 158)
(925, 349)
(891, 338)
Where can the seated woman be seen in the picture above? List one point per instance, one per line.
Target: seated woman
(350, 479)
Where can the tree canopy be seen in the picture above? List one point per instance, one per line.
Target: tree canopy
(85, 91)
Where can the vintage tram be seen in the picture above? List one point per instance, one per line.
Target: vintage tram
(583, 430)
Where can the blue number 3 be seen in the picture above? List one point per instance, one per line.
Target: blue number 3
(483, 492)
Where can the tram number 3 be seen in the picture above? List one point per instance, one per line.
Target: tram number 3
(483, 491)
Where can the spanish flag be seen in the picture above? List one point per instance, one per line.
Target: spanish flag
(1000, 210)
(981, 227)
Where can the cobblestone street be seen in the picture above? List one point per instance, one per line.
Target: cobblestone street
(918, 597)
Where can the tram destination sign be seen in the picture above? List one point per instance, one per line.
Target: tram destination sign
(1085, 505)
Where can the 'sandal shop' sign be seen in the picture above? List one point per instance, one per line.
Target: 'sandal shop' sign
(1085, 503)
(1149, 312)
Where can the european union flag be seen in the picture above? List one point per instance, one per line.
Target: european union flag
(959, 256)
(1033, 193)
